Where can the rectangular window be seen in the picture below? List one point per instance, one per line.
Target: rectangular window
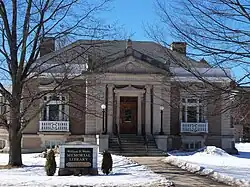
(128, 115)
(55, 109)
(191, 114)
(53, 112)
(54, 98)
(192, 110)
(191, 145)
(64, 113)
(183, 114)
(44, 114)
(201, 115)
(197, 145)
(192, 100)
(186, 146)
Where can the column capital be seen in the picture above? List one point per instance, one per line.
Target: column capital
(148, 86)
(110, 85)
(157, 86)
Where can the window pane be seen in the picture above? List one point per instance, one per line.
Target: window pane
(192, 100)
(64, 115)
(128, 115)
(54, 98)
(191, 114)
(197, 145)
(44, 112)
(192, 145)
(186, 146)
(201, 115)
(183, 114)
(53, 112)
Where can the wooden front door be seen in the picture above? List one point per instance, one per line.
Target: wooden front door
(128, 115)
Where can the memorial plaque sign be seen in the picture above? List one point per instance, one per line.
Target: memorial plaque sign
(78, 157)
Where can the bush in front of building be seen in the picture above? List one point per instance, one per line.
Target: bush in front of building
(50, 165)
(107, 163)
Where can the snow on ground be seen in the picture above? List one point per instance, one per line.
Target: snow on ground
(125, 173)
(216, 163)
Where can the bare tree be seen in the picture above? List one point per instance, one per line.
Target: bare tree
(217, 30)
(24, 24)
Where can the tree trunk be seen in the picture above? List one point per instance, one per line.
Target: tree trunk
(15, 136)
(15, 154)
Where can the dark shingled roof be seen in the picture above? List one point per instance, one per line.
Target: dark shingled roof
(103, 51)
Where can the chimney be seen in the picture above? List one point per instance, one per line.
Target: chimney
(179, 47)
(47, 45)
(129, 44)
(129, 48)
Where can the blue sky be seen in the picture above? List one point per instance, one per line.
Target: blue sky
(132, 14)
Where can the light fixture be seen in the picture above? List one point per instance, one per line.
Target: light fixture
(103, 106)
(161, 108)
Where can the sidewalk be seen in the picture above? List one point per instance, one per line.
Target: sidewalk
(181, 178)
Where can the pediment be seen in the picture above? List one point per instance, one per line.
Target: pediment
(133, 65)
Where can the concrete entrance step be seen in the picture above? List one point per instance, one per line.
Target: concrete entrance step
(133, 145)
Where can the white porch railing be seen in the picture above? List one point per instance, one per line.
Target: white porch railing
(54, 126)
(194, 127)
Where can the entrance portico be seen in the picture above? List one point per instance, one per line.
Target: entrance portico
(133, 92)
(127, 108)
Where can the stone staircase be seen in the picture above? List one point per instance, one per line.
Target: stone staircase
(133, 145)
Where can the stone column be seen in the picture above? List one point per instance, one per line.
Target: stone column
(118, 112)
(148, 110)
(225, 115)
(90, 122)
(157, 102)
(100, 99)
(110, 109)
(166, 89)
(226, 130)
(139, 115)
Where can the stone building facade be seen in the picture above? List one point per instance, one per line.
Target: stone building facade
(144, 91)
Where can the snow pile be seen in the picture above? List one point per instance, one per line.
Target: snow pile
(217, 164)
(243, 147)
(212, 150)
(125, 173)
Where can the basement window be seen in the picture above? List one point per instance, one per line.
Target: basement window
(192, 145)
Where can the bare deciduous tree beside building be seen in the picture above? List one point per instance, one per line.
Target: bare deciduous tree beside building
(215, 30)
(25, 26)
